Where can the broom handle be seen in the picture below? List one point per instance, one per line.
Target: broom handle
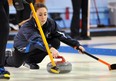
(98, 59)
(94, 57)
(42, 34)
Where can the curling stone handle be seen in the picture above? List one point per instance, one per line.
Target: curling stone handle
(61, 57)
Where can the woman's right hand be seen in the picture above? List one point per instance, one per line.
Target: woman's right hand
(54, 52)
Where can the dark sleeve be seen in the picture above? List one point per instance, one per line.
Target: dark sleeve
(65, 38)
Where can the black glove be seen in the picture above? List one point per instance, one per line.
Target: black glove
(18, 4)
(28, 1)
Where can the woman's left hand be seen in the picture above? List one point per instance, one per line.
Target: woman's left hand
(82, 49)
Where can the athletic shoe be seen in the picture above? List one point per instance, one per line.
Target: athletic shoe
(4, 74)
(14, 27)
(8, 53)
(31, 65)
(86, 38)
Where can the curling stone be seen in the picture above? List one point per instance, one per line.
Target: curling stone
(63, 65)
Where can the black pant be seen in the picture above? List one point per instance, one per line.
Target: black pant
(23, 14)
(36, 56)
(4, 29)
(75, 23)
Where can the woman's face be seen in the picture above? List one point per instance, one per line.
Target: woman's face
(42, 15)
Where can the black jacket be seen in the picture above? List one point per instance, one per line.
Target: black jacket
(28, 37)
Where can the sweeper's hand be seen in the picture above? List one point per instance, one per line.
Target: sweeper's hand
(54, 52)
(28, 1)
(81, 49)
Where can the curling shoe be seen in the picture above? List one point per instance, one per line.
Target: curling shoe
(31, 65)
(4, 74)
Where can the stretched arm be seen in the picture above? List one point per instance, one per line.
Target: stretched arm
(65, 38)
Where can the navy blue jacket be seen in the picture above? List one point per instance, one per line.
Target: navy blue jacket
(28, 37)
